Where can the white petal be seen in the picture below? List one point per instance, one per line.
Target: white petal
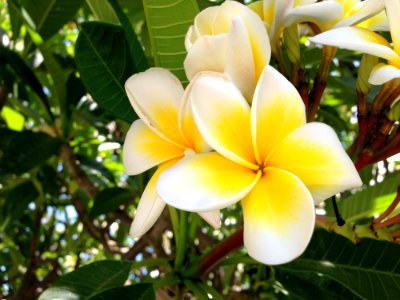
(156, 96)
(278, 218)
(315, 155)
(360, 12)
(223, 117)
(240, 61)
(188, 126)
(358, 39)
(276, 111)
(325, 11)
(204, 21)
(208, 53)
(393, 13)
(255, 28)
(212, 217)
(382, 73)
(205, 182)
(143, 149)
(150, 206)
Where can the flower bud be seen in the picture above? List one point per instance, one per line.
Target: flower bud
(291, 38)
(394, 113)
(367, 64)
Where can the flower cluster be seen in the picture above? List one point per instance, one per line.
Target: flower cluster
(239, 131)
(367, 41)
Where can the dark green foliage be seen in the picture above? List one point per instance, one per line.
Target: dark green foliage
(104, 77)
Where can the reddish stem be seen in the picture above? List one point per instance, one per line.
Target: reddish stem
(388, 222)
(221, 250)
(386, 154)
(320, 81)
(367, 155)
(362, 117)
(390, 208)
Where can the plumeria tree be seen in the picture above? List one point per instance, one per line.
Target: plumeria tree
(199, 149)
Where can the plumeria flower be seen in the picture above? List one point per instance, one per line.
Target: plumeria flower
(367, 14)
(266, 155)
(278, 14)
(229, 38)
(164, 134)
(367, 41)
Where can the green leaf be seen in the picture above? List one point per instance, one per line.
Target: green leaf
(26, 75)
(142, 291)
(369, 201)
(88, 281)
(109, 200)
(47, 17)
(370, 270)
(104, 62)
(330, 116)
(93, 167)
(59, 78)
(15, 20)
(13, 119)
(26, 150)
(306, 285)
(102, 11)
(136, 50)
(168, 22)
(16, 202)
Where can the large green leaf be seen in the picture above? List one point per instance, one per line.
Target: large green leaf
(370, 270)
(168, 22)
(369, 201)
(137, 53)
(104, 62)
(89, 280)
(48, 16)
(143, 291)
(58, 88)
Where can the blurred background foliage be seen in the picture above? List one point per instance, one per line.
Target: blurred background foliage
(65, 201)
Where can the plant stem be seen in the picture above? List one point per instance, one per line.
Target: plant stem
(181, 239)
(320, 81)
(220, 251)
(173, 214)
(390, 209)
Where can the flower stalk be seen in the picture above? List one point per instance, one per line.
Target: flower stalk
(219, 252)
(320, 81)
(181, 239)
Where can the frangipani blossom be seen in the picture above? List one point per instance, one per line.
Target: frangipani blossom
(278, 14)
(163, 135)
(266, 155)
(228, 38)
(367, 41)
(367, 14)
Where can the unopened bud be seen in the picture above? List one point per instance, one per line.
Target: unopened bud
(394, 113)
(367, 64)
(291, 38)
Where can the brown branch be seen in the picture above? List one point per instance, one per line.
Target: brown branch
(320, 81)
(220, 251)
(368, 154)
(29, 285)
(71, 163)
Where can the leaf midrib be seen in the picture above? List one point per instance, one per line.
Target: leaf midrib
(102, 60)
